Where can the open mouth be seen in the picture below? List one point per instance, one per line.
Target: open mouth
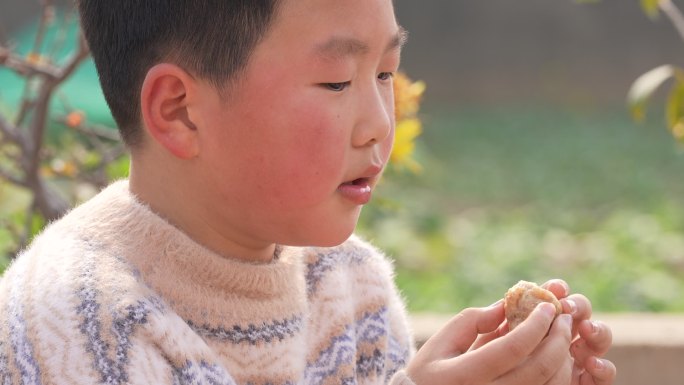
(358, 190)
(359, 182)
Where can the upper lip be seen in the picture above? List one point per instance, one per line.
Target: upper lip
(370, 173)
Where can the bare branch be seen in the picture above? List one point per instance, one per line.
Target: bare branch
(26, 103)
(60, 38)
(98, 131)
(46, 18)
(8, 176)
(75, 60)
(9, 131)
(25, 67)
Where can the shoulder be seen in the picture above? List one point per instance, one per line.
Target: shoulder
(75, 257)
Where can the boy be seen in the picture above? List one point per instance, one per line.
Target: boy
(257, 130)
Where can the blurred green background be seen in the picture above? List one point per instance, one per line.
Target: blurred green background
(532, 166)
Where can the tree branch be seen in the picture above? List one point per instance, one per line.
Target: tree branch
(5, 174)
(10, 132)
(75, 60)
(25, 67)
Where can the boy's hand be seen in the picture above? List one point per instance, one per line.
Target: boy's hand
(536, 352)
(591, 339)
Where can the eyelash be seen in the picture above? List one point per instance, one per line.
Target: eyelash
(339, 87)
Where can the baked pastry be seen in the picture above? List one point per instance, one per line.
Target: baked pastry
(522, 298)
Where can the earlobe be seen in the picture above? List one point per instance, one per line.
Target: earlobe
(164, 108)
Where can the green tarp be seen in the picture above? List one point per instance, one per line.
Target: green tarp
(81, 91)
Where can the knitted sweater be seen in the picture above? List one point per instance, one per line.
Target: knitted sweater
(114, 294)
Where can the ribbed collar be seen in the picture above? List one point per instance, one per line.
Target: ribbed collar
(160, 251)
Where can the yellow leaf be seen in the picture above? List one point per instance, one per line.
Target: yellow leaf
(407, 96)
(650, 7)
(678, 131)
(675, 105)
(404, 144)
(644, 86)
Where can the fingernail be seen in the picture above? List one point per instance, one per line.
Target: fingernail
(566, 319)
(572, 305)
(599, 364)
(548, 309)
(594, 327)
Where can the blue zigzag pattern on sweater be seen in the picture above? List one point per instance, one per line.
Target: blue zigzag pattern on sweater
(5, 377)
(342, 350)
(112, 372)
(326, 261)
(277, 330)
(201, 373)
(21, 346)
(397, 354)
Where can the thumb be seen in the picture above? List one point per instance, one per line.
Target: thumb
(457, 336)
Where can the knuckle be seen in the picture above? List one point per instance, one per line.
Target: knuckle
(465, 314)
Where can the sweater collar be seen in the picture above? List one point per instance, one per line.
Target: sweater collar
(160, 251)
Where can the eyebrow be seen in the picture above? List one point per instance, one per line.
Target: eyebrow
(339, 47)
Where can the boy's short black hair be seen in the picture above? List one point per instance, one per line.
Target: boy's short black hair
(212, 39)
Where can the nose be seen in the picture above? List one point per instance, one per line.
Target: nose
(375, 119)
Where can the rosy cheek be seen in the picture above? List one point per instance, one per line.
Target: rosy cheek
(312, 159)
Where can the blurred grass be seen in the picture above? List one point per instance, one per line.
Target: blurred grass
(536, 193)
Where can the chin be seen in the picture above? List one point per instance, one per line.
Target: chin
(322, 236)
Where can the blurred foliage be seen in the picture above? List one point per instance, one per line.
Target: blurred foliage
(407, 98)
(52, 155)
(646, 85)
(536, 193)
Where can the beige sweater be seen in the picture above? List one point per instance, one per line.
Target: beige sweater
(114, 294)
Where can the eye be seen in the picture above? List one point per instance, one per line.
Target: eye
(337, 87)
(385, 75)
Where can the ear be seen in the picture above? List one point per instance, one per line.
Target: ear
(163, 104)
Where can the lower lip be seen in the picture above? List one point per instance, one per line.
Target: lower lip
(357, 193)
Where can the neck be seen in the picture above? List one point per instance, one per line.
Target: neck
(169, 195)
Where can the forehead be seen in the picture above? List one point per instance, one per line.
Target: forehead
(337, 47)
(337, 26)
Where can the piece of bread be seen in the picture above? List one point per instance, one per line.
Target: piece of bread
(522, 298)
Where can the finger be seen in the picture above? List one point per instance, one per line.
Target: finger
(579, 307)
(598, 371)
(564, 375)
(486, 338)
(461, 331)
(576, 373)
(504, 354)
(595, 340)
(558, 287)
(548, 359)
